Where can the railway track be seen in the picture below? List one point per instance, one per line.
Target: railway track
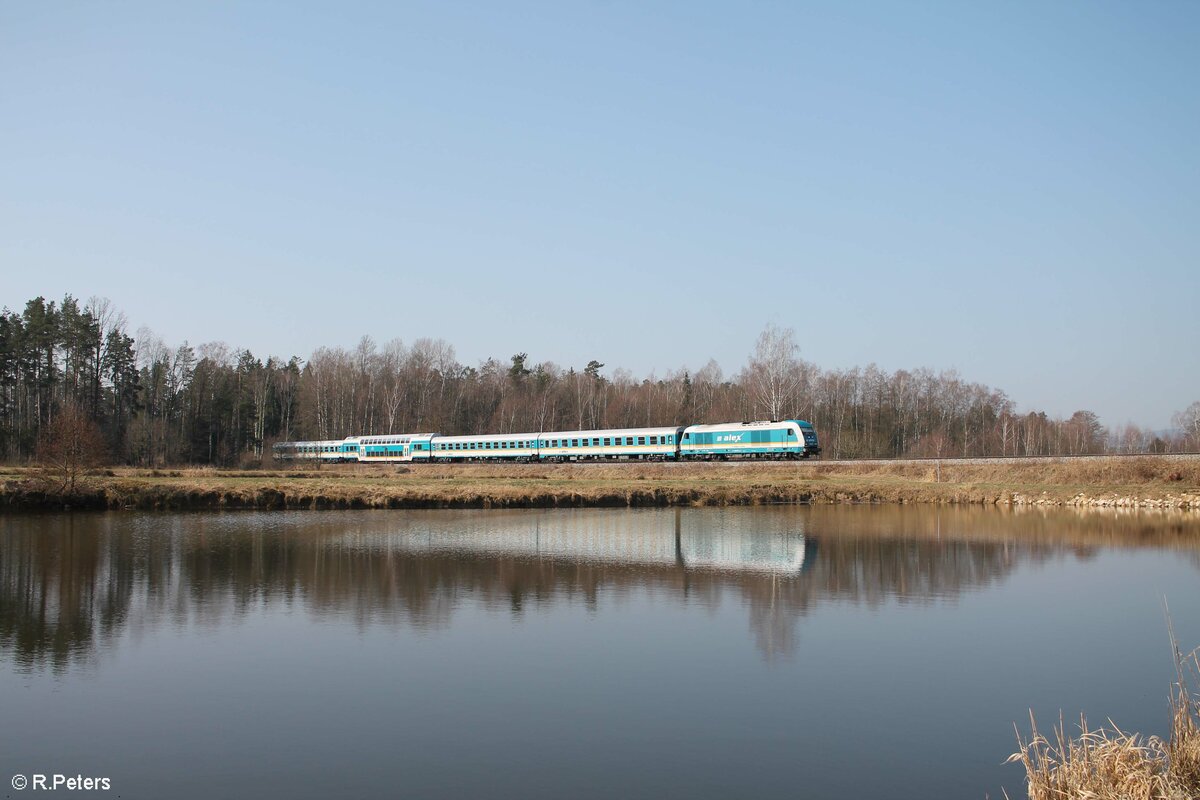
(1007, 459)
(819, 462)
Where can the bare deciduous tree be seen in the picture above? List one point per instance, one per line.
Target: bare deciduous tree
(774, 370)
(1188, 421)
(70, 445)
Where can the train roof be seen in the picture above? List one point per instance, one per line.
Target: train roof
(614, 432)
(314, 443)
(391, 438)
(742, 426)
(486, 437)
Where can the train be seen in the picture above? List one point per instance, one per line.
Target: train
(788, 438)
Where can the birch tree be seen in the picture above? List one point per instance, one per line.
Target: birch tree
(774, 370)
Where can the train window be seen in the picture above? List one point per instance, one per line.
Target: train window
(653, 440)
(641, 440)
(607, 442)
(791, 432)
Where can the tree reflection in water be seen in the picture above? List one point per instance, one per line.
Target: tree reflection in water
(70, 585)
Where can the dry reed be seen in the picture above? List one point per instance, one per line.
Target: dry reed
(1110, 764)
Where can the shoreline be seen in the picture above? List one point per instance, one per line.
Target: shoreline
(1102, 483)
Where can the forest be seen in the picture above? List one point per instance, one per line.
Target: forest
(153, 404)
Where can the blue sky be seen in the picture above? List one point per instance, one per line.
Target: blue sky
(1012, 190)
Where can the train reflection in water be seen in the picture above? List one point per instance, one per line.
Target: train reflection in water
(72, 586)
(612, 537)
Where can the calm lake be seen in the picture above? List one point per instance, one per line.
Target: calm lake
(823, 652)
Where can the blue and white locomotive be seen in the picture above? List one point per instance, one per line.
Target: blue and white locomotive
(789, 438)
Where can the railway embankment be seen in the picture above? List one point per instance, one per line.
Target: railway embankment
(1152, 482)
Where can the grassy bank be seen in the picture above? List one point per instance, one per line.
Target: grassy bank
(1138, 483)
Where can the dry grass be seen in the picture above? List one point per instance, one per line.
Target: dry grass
(1111, 764)
(1167, 482)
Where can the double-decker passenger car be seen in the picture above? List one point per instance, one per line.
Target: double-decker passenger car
(394, 447)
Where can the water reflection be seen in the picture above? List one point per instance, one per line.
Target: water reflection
(70, 586)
